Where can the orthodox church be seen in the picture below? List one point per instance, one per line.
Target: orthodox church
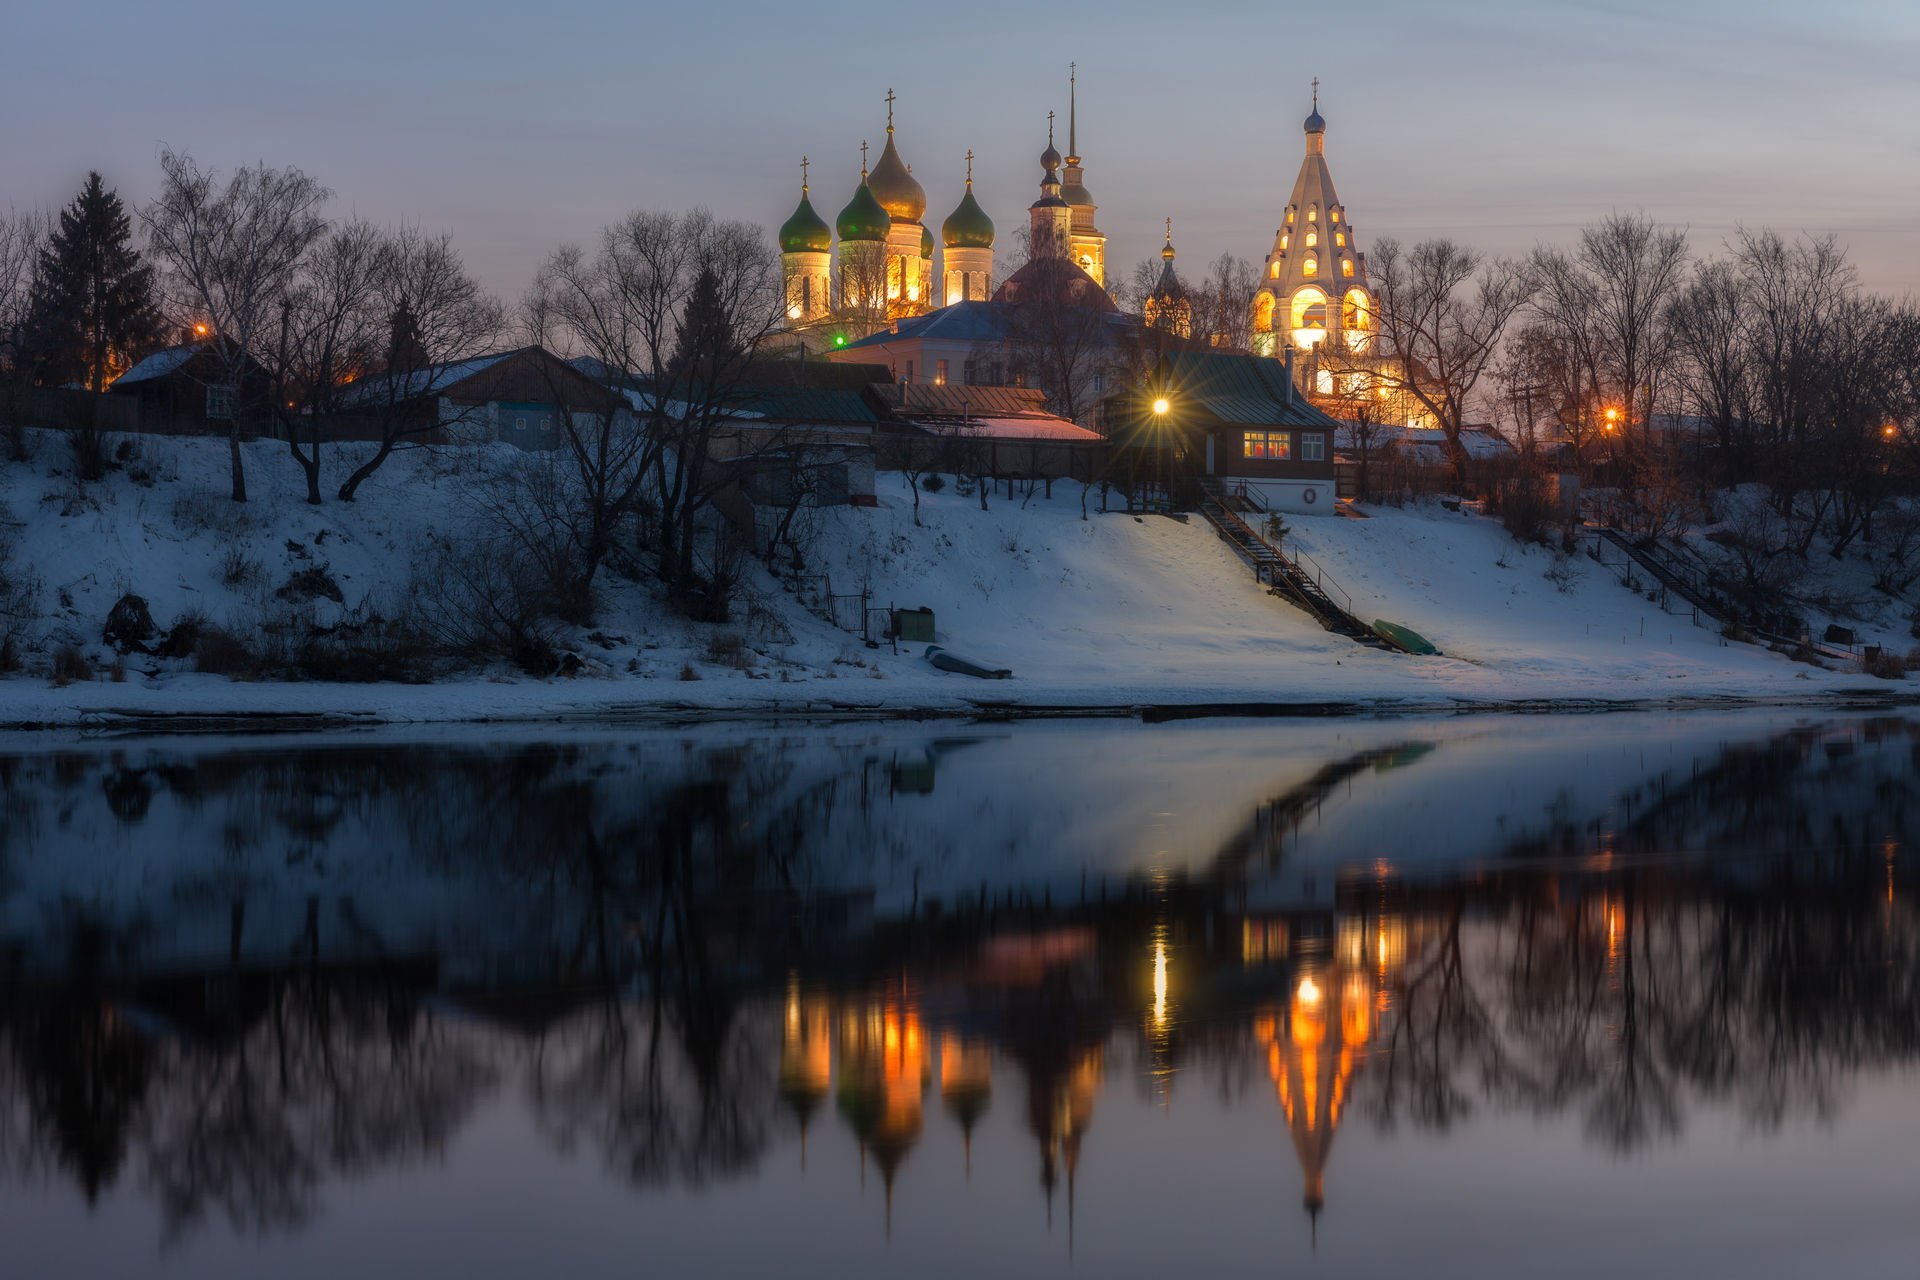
(874, 267)
(1314, 283)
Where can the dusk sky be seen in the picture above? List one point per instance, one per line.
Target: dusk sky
(520, 127)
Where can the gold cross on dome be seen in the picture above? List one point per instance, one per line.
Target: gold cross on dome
(969, 166)
(863, 159)
(889, 110)
(803, 175)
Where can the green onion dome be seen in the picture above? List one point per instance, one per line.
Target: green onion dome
(968, 226)
(896, 189)
(805, 231)
(926, 243)
(863, 218)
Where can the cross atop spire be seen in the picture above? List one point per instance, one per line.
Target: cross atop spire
(1169, 230)
(803, 175)
(1316, 94)
(890, 107)
(1049, 128)
(969, 168)
(863, 159)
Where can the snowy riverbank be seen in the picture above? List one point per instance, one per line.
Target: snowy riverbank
(1108, 611)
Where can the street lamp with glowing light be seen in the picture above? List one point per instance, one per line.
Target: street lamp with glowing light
(1161, 405)
(1613, 419)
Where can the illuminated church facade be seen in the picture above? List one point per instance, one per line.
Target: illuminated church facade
(874, 266)
(1313, 286)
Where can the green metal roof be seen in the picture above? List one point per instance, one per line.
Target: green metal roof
(1241, 389)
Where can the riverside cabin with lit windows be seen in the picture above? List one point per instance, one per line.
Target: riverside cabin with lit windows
(1240, 419)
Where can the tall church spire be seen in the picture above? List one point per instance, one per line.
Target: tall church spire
(1088, 247)
(1073, 113)
(1314, 282)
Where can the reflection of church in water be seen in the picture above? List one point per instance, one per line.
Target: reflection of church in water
(879, 1054)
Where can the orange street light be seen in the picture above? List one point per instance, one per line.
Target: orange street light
(1161, 405)
(200, 330)
(1890, 431)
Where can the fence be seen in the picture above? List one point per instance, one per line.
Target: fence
(994, 459)
(67, 408)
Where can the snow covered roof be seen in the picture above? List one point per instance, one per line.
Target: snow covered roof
(160, 364)
(421, 382)
(1054, 430)
(1423, 444)
(962, 400)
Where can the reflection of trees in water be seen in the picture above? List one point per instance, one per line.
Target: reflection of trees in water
(1644, 995)
(294, 1081)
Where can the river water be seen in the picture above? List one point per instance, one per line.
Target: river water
(1477, 997)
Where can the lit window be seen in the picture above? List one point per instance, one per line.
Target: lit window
(1273, 272)
(1313, 446)
(1283, 242)
(1313, 214)
(1346, 267)
(1333, 215)
(1339, 239)
(1313, 238)
(1310, 267)
(1323, 382)
(1270, 445)
(1289, 217)
(940, 373)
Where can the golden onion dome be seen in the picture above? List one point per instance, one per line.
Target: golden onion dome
(895, 188)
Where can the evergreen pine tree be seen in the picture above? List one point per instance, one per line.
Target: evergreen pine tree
(704, 341)
(92, 312)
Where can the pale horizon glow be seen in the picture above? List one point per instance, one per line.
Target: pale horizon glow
(1502, 125)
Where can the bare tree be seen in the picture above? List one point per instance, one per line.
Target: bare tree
(433, 313)
(670, 308)
(22, 235)
(330, 329)
(1223, 306)
(1443, 311)
(1709, 320)
(232, 254)
(1606, 302)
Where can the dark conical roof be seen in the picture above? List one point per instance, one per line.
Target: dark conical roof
(968, 226)
(806, 231)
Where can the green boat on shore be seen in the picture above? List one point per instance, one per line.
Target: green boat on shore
(1404, 639)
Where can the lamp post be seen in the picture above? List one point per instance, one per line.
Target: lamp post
(1161, 408)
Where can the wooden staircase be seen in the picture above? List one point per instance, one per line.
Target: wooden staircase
(1678, 577)
(1290, 575)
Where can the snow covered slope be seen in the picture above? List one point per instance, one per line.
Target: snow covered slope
(1102, 609)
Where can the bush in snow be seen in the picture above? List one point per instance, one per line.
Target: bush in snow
(130, 625)
(70, 665)
(19, 605)
(486, 600)
(315, 583)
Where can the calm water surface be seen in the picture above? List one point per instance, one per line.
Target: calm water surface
(1474, 997)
